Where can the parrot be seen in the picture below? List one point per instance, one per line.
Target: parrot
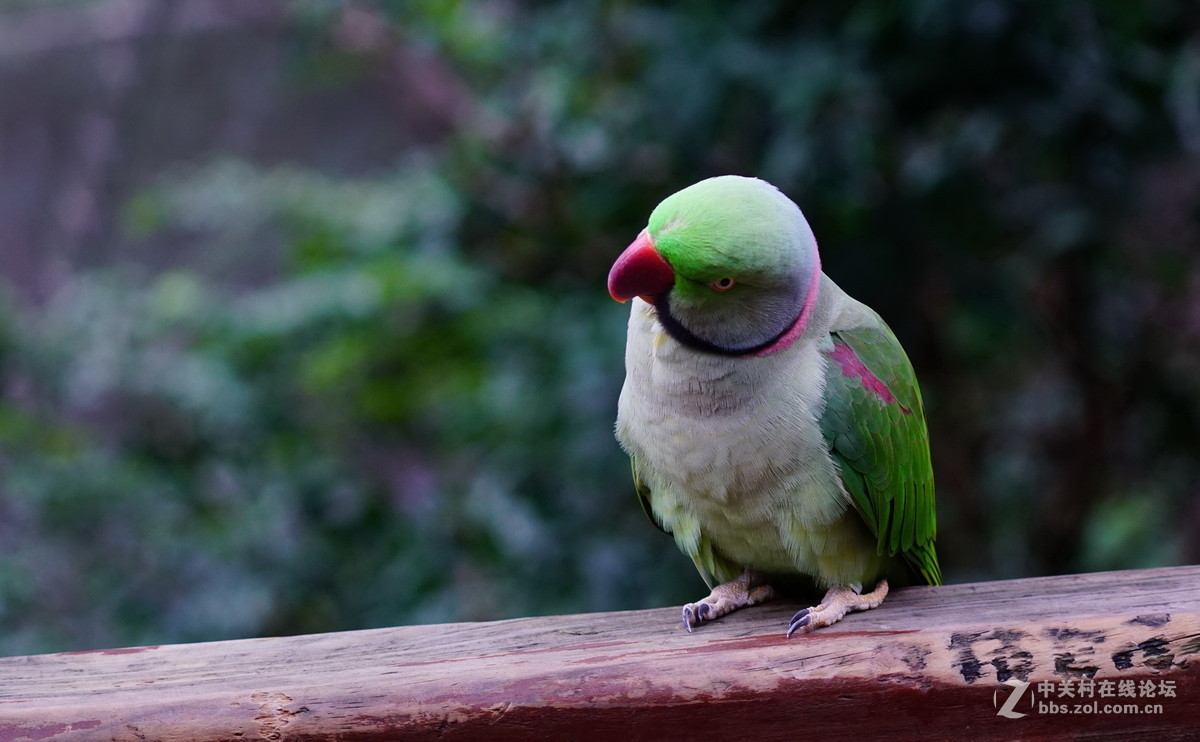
(774, 424)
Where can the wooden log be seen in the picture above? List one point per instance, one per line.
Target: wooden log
(1097, 656)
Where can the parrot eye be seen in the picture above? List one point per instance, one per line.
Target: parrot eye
(722, 284)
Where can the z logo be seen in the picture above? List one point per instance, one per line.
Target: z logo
(1019, 688)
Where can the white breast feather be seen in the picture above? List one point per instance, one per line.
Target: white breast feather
(731, 448)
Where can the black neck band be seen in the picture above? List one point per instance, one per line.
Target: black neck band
(686, 337)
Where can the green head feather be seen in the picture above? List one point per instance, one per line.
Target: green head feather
(739, 229)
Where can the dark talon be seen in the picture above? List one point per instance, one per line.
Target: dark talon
(694, 616)
(799, 621)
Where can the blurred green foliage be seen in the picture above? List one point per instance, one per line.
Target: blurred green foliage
(409, 418)
(385, 433)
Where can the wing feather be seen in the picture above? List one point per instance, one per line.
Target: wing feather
(874, 421)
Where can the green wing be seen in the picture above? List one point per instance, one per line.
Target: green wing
(874, 423)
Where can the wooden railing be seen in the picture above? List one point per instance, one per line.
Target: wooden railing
(1100, 656)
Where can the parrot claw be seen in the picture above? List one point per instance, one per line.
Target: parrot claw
(838, 601)
(727, 597)
(799, 621)
(695, 614)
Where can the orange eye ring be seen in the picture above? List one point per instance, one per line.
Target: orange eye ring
(722, 284)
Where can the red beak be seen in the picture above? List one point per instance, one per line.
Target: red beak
(640, 271)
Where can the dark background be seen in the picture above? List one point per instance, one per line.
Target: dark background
(303, 323)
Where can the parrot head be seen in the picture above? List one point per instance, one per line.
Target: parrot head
(729, 264)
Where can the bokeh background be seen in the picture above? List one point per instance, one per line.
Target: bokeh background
(303, 324)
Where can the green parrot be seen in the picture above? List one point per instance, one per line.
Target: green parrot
(774, 423)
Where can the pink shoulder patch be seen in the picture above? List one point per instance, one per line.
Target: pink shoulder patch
(853, 367)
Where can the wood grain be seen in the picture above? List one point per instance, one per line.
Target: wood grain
(931, 663)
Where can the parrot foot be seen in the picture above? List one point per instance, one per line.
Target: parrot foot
(726, 598)
(838, 601)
